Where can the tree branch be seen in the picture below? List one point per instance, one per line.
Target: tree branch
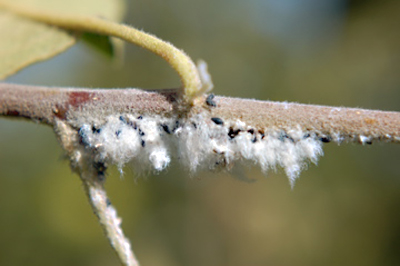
(114, 126)
(338, 123)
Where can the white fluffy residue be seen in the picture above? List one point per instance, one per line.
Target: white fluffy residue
(198, 143)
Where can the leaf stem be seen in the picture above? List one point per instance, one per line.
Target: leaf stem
(177, 59)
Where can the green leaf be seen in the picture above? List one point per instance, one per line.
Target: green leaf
(24, 41)
(101, 43)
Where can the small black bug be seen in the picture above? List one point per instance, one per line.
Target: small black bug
(325, 139)
(177, 125)
(96, 130)
(262, 134)
(210, 101)
(166, 128)
(101, 168)
(284, 136)
(233, 133)
(83, 137)
(108, 202)
(217, 120)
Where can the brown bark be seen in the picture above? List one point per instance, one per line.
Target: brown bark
(46, 104)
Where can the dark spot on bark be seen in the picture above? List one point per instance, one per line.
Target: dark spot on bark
(78, 98)
(12, 113)
(60, 111)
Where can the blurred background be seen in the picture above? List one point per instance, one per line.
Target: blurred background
(345, 211)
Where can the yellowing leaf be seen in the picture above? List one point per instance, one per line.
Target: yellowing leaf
(107, 9)
(24, 41)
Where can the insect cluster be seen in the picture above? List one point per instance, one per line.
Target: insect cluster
(199, 142)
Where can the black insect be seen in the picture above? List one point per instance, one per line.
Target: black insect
(96, 130)
(118, 132)
(82, 132)
(177, 125)
(252, 131)
(101, 168)
(210, 100)
(83, 137)
(262, 134)
(233, 133)
(325, 139)
(121, 118)
(284, 136)
(217, 120)
(143, 143)
(108, 202)
(129, 123)
(166, 128)
(141, 133)
(140, 117)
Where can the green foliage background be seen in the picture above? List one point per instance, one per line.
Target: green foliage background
(343, 212)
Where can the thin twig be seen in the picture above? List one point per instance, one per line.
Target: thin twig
(93, 182)
(51, 104)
